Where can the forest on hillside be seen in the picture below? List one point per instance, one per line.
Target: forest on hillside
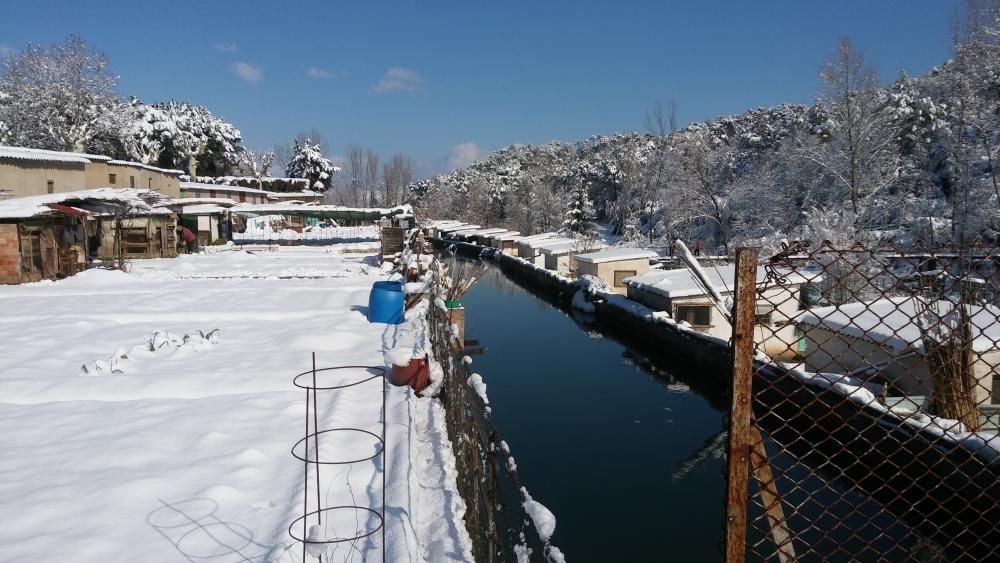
(909, 162)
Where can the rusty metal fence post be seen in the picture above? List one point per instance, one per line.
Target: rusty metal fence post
(740, 408)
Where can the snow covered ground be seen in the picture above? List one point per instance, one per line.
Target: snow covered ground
(180, 450)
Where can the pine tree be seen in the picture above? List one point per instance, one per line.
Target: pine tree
(580, 215)
(310, 163)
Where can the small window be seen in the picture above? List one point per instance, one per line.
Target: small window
(243, 197)
(150, 183)
(211, 194)
(50, 186)
(763, 316)
(112, 179)
(695, 315)
(131, 181)
(620, 276)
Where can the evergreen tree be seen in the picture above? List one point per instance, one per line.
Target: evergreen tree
(310, 163)
(579, 220)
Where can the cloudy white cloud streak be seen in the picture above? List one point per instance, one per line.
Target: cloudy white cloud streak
(248, 72)
(319, 73)
(398, 79)
(226, 47)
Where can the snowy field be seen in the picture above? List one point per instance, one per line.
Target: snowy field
(134, 432)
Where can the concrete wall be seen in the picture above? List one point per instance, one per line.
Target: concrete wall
(25, 177)
(129, 176)
(606, 271)
(235, 196)
(558, 264)
(10, 254)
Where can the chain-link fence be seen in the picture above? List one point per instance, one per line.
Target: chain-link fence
(878, 370)
(498, 523)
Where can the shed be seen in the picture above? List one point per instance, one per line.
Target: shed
(56, 235)
(559, 257)
(883, 334)
(614, 265)
(529, 248)
(678, 293)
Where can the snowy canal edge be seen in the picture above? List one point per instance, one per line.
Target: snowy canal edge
(179, 447)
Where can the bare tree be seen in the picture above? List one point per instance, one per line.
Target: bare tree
(860, 156)
(397, 174)
(371, 177)
(356, 170)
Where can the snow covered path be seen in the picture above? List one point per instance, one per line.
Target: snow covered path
(182, 453)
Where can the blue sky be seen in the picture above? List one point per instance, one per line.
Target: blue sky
(434, 79)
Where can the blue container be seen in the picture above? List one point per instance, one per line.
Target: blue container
(385, 303)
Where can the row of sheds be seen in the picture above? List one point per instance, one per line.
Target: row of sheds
(789, 323)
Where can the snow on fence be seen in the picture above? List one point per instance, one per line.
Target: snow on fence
(503, 520)
(275, 229)
(874, 338)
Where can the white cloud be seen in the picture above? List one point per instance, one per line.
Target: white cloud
(398, 79)
(6, 51)
(319, 73)
(460, 156)
(226, 47)
(248, 72)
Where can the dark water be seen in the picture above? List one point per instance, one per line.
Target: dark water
(625, 454)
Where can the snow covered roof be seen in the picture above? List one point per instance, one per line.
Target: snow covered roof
(891, 322)
(293, 195)
(39, 155)
(321, 210)
(487, 231)
(223, 201)
(202, 209)
(458, 228)
(131, 164)
(541, 243)
(681, 282)
(35, 206)
(568, 246)
(615, 254)
(189, 186)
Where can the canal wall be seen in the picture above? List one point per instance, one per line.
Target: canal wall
(923, 470)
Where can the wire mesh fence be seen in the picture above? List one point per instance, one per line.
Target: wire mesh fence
(496, 519)
(878, 371)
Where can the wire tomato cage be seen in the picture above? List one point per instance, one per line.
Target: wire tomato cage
(332, 381)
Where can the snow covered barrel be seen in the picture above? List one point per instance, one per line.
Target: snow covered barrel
(385, 303)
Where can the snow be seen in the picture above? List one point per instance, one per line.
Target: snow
(542, 517)
(130, 164)
(615, 254)
(186, 450)
(477, 383)
(40, 155)
(581, 303)
(31, 206)
(890, 322)
(268, 228)
(220, 188)
(681, 282)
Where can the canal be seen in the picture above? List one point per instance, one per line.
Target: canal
(628, 453)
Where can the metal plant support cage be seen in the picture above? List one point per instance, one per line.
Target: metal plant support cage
(308, 380)
(877, 370)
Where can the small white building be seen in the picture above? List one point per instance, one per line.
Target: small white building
(678, 293)
(559, 257)
(883, 334)
(530, 249)
(449, 231)
(615, 265)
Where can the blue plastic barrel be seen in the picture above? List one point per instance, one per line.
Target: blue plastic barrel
(385, 303)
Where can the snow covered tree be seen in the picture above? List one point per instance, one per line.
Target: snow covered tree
(859, 156)
(579, 220)
(59, 97)
(308, 162)
(258, 164)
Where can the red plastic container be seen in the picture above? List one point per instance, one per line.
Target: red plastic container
(416, 374)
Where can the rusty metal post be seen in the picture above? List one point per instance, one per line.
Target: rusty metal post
(740, 409)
